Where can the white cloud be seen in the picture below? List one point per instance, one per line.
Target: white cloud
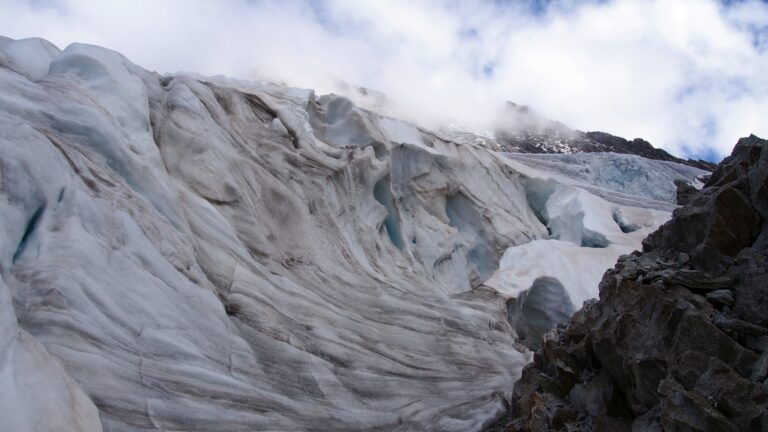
(688, 75)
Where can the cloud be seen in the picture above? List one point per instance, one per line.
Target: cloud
(688, 75)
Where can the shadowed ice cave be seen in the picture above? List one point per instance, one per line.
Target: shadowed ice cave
(464, 216)
(539, 309)
(383, 195)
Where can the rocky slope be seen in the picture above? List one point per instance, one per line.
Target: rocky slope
(678, 340)
(197, 254)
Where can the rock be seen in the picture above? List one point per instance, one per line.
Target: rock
(751, 295)
(756, 343)
(741, 400)
(650, 421)
(760, 368)
(687, 410)
(692, 279)
(671, 344)
(722, 297)
(685, 192)
(739, 327)
(594, 396)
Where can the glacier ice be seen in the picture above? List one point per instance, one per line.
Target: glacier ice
(29, 57)
(592, 219)
(382, 194)
(620, 178)
(191, 253)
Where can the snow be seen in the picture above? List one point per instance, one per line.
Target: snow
(188, 253)
(398, 131)
(587, 232)
(29, 57)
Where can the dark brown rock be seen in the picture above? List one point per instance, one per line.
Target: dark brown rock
(685, 192)
(678, 338)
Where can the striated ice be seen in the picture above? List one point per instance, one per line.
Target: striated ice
(189, 253)
(28, 57)
(184, 255)
(621, 178)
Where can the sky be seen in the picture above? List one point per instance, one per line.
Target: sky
(690, 76)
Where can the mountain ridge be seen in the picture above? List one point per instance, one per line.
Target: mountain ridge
(519, 129)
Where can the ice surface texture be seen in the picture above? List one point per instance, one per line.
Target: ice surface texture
(193, 254)
(620, 178)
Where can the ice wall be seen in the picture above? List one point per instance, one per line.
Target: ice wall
(188, 253)
(185, 255)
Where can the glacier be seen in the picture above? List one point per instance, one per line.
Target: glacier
(201, 253)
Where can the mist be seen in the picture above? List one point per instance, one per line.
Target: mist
(689, 76)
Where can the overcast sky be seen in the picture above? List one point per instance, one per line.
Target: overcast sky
(690, 76)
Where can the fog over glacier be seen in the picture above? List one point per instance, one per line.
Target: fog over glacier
(188, 253)
(689, 75)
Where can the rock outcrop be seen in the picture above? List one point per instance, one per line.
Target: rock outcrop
(678, 340)
(685, 192)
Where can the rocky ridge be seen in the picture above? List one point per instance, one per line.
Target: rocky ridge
(521, 130)
(678, 340)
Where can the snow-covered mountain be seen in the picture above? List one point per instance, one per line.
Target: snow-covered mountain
(188, 253)
(520, 129)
